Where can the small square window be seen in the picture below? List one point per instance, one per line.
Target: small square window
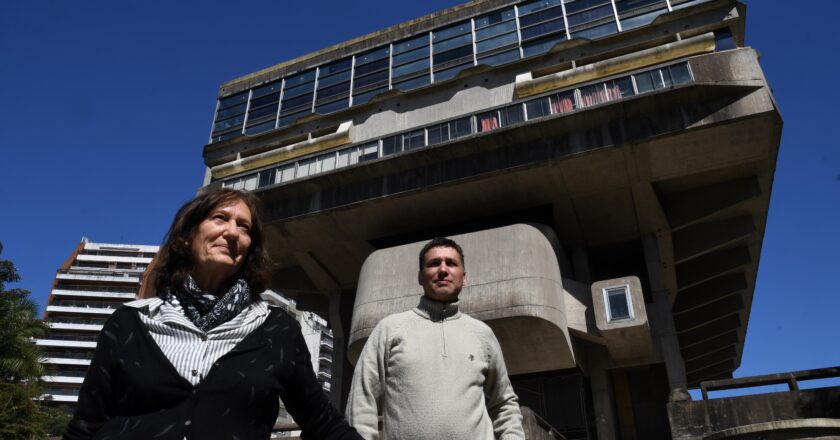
(618, 302)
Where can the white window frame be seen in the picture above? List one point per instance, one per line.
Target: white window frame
(627, 296)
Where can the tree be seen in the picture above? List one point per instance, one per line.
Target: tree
(22, 416)
(19, 357)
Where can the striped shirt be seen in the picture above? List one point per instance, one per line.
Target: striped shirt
(191, 351)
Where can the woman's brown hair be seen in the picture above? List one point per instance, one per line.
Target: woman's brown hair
(174, 259)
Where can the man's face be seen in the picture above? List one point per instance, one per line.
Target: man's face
(442, 276)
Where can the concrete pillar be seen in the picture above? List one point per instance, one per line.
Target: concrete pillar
(602, 393)
(661, 319)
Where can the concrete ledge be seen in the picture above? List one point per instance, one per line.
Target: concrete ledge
(342, 136)
(527, 85)
(782, 429)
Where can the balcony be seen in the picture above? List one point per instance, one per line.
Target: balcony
(69, 341)
(125, 278)
(82, 325)
(104, 293)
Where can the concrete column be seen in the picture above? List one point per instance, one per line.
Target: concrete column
(602, 395)
(661, 320)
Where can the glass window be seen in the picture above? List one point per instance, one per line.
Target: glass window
(542, 45)
(286, 119)
(495, 17)
(452, 43)
(539, 17)
(680, 73)
(334, 67)
(416, 54)
(460, 127)
(589, 15)
(411, 44)
(549, 27)
(327, 161)
(374, 79)
(231, 101)
(410, 68)
(512, 115)
(333, 106)
(562, 102)
(414, 139)
(369, 151)
(344, 157)
(376, 54)
(273, 98)
(250, 182)
(366, 96)
(644, 82)
(493, 43)
(536, 6)
(285, 173)
(414, 83)
(260, 128)
(488, 121)
(597, 31)
(290, 92)
(266, 90)
(628, 5)
(443, 75)
(230, 111)
(391, 145)
(300, 78)
(228, 123)
(267, 177)
(328, 80)
(371, 67)
(573, 6)
(438, 133)
(501, 58)
(618, 303)
(501, 28)
(297, 101)
(452, 31)
(537, 108)
(328, 92)
(464, 53)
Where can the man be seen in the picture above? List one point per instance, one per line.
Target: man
(433, 372)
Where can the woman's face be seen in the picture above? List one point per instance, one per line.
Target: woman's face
(222, 240)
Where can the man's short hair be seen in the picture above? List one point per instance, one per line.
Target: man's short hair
(441, 242)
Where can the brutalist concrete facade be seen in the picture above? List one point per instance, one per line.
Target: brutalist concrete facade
(576, 154)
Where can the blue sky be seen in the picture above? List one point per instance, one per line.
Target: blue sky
(105, 107)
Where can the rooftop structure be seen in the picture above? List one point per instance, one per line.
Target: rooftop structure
(606, 164)
(95, 280)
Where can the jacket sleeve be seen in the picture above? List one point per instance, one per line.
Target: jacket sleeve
(502, 403)
(96, 399)
(364, 404)
(306, 402)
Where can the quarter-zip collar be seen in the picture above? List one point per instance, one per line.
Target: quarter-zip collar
(436, 311)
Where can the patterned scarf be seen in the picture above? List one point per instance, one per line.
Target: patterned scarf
(206, 310)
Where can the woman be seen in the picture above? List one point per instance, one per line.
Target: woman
(206, 358)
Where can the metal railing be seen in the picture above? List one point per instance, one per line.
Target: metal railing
(790, 378)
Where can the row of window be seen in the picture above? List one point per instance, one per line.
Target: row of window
(506, 35)
(556, 103)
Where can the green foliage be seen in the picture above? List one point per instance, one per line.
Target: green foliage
(18, 324)
(21, 416)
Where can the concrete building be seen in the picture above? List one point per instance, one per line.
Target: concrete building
(95, 280)
(606, 164)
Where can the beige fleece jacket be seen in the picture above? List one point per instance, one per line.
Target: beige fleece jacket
(433, 373)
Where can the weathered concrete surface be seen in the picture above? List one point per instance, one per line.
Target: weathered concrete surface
(701, 419)
(627, 339)
(513, 284)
